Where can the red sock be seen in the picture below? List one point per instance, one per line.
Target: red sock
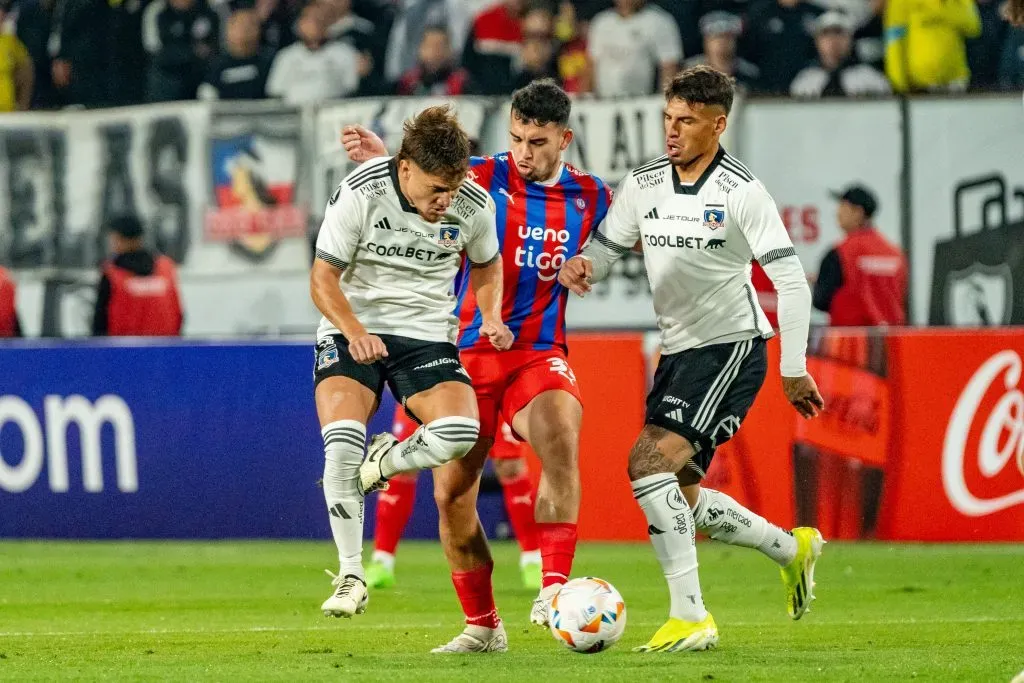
(557, 548)
(477, 596)
(394, 507)
(518, 494)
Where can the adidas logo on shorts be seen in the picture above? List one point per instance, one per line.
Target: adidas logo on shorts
(676, 415)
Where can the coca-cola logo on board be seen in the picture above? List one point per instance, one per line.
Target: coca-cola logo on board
(998, 447)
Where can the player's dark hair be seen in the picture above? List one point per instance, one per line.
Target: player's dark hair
(542, 102)
(702, 85)
(436, 143)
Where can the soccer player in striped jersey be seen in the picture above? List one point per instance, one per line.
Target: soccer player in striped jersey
(546, 211)
(702, 217)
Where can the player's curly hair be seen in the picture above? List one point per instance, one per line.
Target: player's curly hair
(1015, 12)
(542, 102)
(702, 84)
(435, 141)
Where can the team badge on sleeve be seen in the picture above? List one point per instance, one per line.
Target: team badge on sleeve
(448, 236)
(714, 218)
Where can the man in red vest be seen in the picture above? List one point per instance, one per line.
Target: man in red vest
(138, 293)
(9, 325)
(863, 280)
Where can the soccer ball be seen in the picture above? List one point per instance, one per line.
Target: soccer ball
(587, 615)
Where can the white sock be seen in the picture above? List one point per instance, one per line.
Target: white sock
(432, 445)
(723, 519)
(344, 443)
(671, 528)
(529, 557)
(386, 559)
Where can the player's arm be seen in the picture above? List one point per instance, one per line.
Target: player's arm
(614, 238)
(769, 242)
(335, 249)
(362, 144)
(486, 277)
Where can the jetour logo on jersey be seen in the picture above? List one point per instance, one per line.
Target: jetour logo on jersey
(995, 443)
(546, 263)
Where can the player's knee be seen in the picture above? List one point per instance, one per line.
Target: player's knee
(557, 446)
(451, 438)
(508, 469)
(648, 455)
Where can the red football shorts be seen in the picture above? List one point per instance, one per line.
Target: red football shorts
(506, 381)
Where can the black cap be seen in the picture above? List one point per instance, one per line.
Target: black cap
(858, 195)
(126, 226)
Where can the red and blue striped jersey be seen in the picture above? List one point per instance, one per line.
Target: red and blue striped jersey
(539, 228)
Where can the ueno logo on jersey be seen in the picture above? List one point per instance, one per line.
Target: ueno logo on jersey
(547, 264)
(1001, 439)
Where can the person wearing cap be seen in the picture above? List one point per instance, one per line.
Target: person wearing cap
(863, 280)
(16, 70)
(721, 32)
(9, 324)
(835, 73)
(138, 292)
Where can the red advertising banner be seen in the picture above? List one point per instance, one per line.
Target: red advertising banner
(922, 438)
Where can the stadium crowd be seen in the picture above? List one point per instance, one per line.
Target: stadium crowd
(89, 53)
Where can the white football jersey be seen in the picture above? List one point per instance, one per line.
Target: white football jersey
(698, 242)
(397, 268)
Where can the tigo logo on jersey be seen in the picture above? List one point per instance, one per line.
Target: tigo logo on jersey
(714, 218)
(448, 236)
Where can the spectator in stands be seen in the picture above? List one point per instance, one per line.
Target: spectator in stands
(66, 40)
(125, 55)
(1011, 65)
(16, 74)
(10, 326)
(345, 26)
(985, 51)
(138, 292)
(573, 63)
(835, 73)
(240, 71)
(436, 73)
(863, 280)
(635, 49)
(721, 31)
(180, 37)
(537, 58)
(778, 42)
(925, 44)
(415, 16)
(492, 47)
(313, 70)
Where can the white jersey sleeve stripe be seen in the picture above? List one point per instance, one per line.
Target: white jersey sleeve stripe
(775, 255)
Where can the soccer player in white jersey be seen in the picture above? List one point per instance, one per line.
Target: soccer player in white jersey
(386, 259)
(701, 218)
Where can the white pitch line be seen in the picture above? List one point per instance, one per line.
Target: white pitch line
(383, 627)
(199, 631)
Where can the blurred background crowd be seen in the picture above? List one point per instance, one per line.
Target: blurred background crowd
(90, 53)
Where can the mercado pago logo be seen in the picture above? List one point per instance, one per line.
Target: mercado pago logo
(983, 452)
(44, 441)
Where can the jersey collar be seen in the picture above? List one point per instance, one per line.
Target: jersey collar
(403, 202)
(695, 188)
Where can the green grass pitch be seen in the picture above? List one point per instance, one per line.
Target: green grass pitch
(231, 611)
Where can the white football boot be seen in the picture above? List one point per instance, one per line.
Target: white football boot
(349, 597)
(542, 605)
(476, 639)
(370, 476)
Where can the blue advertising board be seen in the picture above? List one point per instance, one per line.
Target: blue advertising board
(170, 439)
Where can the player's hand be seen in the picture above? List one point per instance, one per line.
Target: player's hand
(575, 275)
(367, 349)
(501, 337)
(362, 144)
(803, 393)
